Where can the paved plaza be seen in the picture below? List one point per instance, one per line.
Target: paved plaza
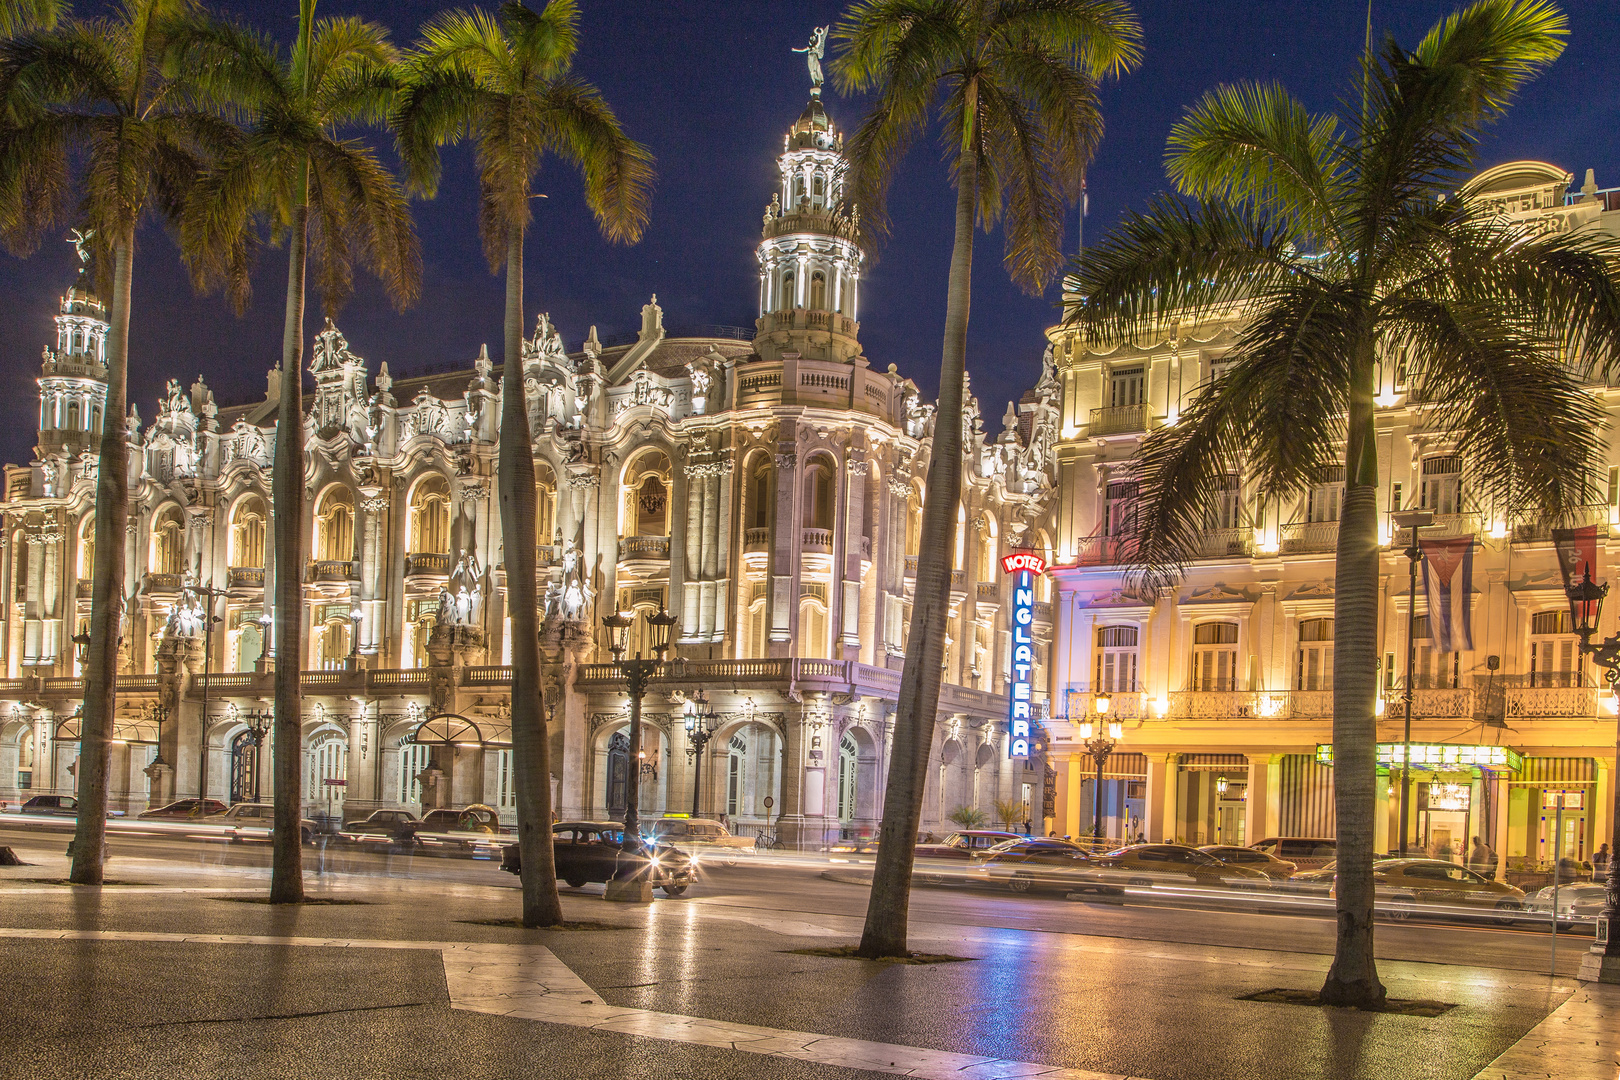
(174, 975)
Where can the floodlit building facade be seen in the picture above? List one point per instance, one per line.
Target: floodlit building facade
(766, 485)
(1224, 683)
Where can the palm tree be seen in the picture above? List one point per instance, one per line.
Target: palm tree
(20, 16)
(294, 167)
(1342, 240)
(1014, 84)
(1009, 811)
(504, 82)
(102, 103)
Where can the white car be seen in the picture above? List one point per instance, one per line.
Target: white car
(1579, 904)
(702, 838)
(255, 821)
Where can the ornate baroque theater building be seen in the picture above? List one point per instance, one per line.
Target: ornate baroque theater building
(1223, 684)
(766, 486)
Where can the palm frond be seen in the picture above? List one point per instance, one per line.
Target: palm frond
(1257, 144)
(1098, 37)
(1178, 262)
(20, 16)
(543, 42)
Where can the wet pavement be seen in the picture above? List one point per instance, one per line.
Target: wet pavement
(380, 1004)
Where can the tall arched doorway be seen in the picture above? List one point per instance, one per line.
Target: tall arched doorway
(618, 771)
(848, 769)
(244, 768)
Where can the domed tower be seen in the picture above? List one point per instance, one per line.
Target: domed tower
(810, 256)
(73, 377)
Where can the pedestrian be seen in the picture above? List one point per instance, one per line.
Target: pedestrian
(1481, 859)
(1600, 862)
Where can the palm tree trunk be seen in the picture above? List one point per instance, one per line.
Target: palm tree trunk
(287, 499)
(107, 589)
(889, 904)
(1353, 978)
(531, 753)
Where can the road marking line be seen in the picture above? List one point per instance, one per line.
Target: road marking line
(529, 982)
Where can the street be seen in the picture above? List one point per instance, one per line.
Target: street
(787, 884)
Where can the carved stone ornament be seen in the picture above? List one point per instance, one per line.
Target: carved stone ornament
(474, 490)
(856, 466)
(374, 505)
(787, 462)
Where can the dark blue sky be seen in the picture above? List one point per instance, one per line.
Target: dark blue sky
(710, 86)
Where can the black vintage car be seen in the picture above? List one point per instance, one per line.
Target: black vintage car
(589, 851)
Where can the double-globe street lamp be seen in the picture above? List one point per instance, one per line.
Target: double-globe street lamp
(636, 673)
(701, 723)
(1100, 740)
(1602, 963)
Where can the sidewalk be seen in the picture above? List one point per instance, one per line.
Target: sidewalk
(170, 978)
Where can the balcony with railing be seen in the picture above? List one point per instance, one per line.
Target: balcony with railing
(757, 540)
(1557, 702)
(911, 566)
(82, 588)
(816, 541)
(245, 577)
(163, 583)
(1531, 527)
(1119, 420)
(427, 562)
(334, 570)
(643, 547)
(988, 592)
(547, 555)
(1308, 537)
(1226, 543)
(1445, 526)
(1103, 551)
(1042, 610)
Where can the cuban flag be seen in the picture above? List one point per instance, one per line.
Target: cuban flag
(1448, 585)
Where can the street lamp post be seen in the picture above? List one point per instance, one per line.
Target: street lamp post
(1100, 740)
(1602, 963)
(637, 673)
(1413, 520)
(210, 620)
(701, 723)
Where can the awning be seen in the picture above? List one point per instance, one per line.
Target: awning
(1439, 756)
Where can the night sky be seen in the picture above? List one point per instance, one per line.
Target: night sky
(711, 86)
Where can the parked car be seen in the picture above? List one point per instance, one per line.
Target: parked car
(1400, 884)
(1306, 852)
(1268, 864)
(384, 828)
(965, 843)
(1577, 904)
(185, 809)
(469, 829)
(701, 837)
(52, 805)
(1172, 864)
(256, 821)
(588, 851)
(1032, 863)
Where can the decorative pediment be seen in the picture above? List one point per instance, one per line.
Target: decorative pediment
(1312, 590)
(1219, 593)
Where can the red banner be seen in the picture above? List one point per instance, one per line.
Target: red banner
(1577, 553)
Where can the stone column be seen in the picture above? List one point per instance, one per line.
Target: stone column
(1499, 838)
(690, 544)
(1161, 797)
(373, 568)
(1603, 804)
(709, 565)
(1071, 777)
(783, 601)
(1259, 812)
(854, 502)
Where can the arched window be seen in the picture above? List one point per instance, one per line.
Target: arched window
(545, 504)
(1214, 666)
(73, 416)
(913, 522)
(652, 507)
(986, 568)
(1314, 668)
(168, 543)
(249, 644)
(618, 771)
(818, 494)
(247, 533)
(430, 517)
(818, 291)
(1116, 660)
(334, 526)
(760, 494)
(961, 538)
(87, 548)
(789, 299)
(332, 643)
(244, 768)
(812, 629)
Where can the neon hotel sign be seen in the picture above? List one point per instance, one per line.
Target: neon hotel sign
(1025, 565)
